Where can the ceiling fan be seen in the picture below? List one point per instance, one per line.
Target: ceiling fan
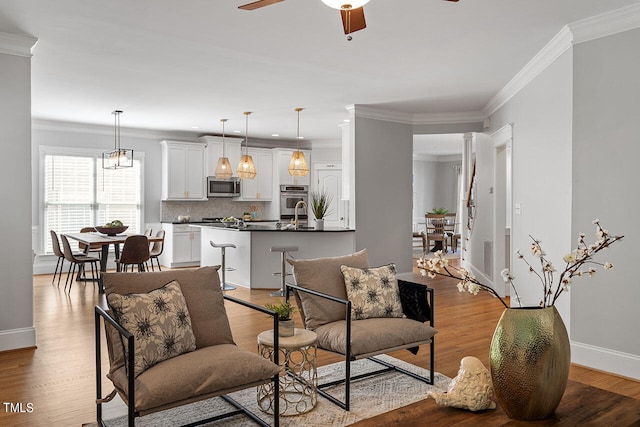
(351, 11)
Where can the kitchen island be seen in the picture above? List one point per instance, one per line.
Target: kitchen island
(252, 259)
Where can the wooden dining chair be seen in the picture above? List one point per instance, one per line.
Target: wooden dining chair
(451, 229)
(435, 231)
(134, 252)
(79, 260)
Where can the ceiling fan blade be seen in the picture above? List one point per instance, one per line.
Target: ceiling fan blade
(258, 4)
(452, 0)
(353, 20)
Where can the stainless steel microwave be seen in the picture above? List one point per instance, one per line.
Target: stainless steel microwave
(223, 187)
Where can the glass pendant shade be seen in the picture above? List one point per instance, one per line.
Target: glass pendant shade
(298, 164)
(223, 168)
(246, 168)
(341, 4)
(119, 157)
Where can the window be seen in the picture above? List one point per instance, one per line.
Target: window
(78, 193)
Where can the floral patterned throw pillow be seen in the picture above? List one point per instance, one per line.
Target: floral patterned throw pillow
(159, 321)
(373, 292)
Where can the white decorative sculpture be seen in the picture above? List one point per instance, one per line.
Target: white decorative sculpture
(470, 389)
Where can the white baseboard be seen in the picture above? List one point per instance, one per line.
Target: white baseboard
(17, 338)
(604, 359)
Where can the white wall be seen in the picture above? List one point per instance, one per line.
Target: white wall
(606, 142)
(424, 190)
(542, 120)
(383, 196)
(16, 290)
(73, 135)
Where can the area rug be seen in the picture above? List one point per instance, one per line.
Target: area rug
(369, 397)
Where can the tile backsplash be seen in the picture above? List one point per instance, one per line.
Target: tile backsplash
(211, 208)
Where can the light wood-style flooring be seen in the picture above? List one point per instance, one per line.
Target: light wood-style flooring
(58, 378)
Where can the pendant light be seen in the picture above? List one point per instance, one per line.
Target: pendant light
(246, 168)
(223, 168)
(298, 164)
(119, 157)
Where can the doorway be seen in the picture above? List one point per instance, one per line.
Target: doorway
(328, 176)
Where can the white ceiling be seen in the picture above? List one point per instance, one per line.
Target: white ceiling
(174, 65)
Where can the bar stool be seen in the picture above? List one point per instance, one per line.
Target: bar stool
(283, 271)
(223, 284)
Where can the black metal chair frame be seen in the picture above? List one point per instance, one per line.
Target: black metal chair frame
(132, 413)
(350, 358)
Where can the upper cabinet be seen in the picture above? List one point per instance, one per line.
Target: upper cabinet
(214, 152)
(281, 158)
(183, 170)
(259, 188)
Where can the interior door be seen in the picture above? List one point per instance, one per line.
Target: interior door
(331, 180)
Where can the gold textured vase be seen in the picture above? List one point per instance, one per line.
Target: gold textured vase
(530, 358)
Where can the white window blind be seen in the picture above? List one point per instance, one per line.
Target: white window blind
(79, 193)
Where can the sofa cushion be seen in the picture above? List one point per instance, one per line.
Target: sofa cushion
(324, 275)
(373, 292)
(215, 369)
(373, 336)
(201, 290)
(159, 321)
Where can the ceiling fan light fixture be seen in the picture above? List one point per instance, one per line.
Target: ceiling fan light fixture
(246, 168)
(119, 157)
(223, 168)
(345, 4)
(298, 164)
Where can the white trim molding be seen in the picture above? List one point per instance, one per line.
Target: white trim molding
(14, 339)
(17, 44)
(604, 359)
(607, 24)
(543, 59)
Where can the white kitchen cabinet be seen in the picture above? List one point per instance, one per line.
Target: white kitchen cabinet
(282, 157)
(183, 170)
(214, 152)
(261, 187)
(181, 246)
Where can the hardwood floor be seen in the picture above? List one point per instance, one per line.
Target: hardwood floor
(57, 378)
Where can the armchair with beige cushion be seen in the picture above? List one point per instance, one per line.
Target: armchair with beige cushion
(181, 347)
(347, 323)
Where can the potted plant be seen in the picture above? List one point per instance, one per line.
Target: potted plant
(285, 310)
(320, 203)
(439, 211)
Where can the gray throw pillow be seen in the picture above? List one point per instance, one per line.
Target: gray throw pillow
(159, 321)
(373, 292)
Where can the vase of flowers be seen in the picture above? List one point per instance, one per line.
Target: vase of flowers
(284, 309)
(530, 352)
(320, 203)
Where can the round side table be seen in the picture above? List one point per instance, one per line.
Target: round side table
(299, 379)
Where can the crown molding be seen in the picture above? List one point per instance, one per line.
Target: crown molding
(543, 59)
(72, 127)
(441, 118)
(607, 24)
(375, 113)
(367, 112)
(17, 44)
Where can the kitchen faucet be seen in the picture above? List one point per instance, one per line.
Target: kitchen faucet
(300, 202)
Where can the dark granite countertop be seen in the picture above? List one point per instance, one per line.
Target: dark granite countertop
(256, 227)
